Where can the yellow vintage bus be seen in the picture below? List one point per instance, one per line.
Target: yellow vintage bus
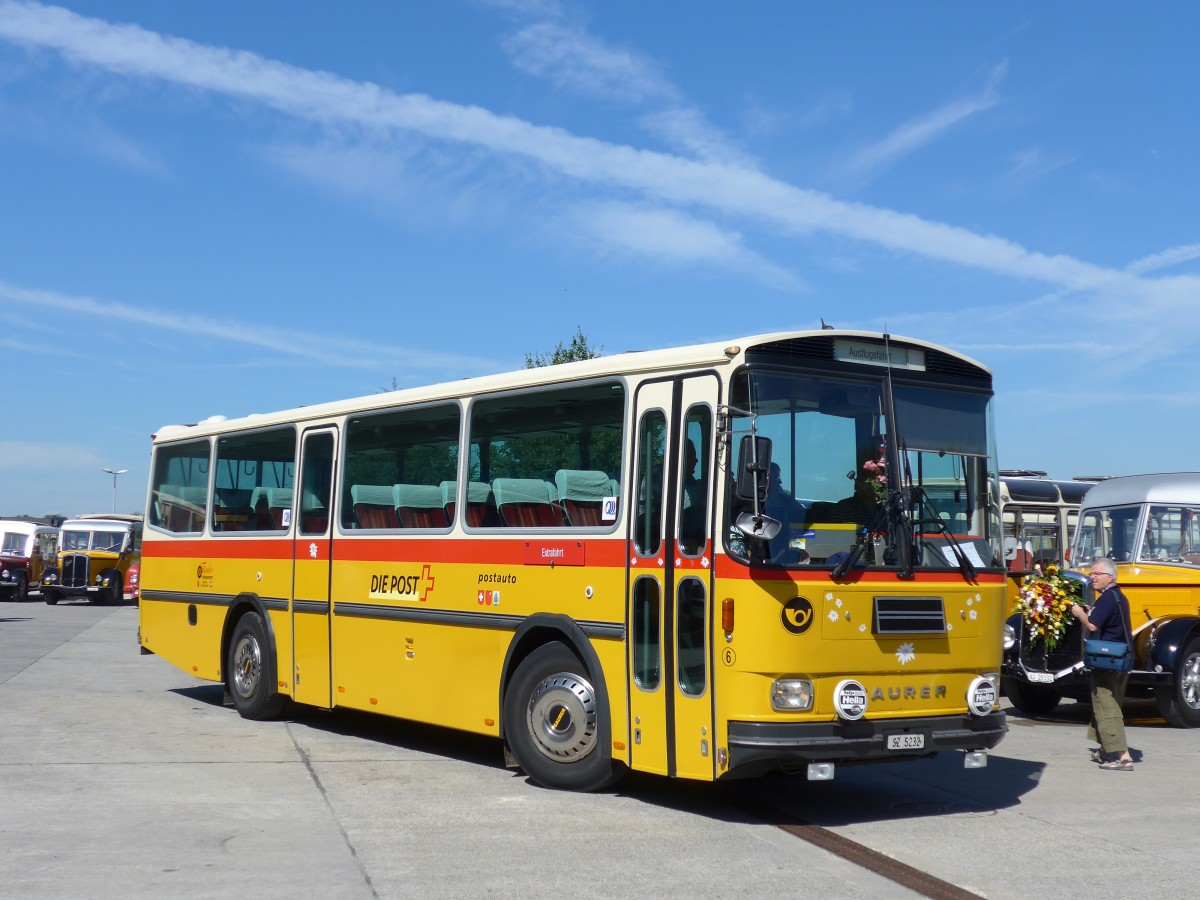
(777, 553)
(1149, 525)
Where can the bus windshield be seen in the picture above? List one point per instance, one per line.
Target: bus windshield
(831, 476)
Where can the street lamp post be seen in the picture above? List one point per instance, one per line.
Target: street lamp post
(114, 473)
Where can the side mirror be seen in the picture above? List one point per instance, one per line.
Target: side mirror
(754, 464)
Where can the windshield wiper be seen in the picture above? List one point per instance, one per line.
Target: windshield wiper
(926, 508)
(888, 517)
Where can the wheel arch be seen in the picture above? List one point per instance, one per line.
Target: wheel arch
(548, 628)
(242, 604)
(1168, 639)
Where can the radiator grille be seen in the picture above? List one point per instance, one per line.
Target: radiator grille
(75, 570)
(909, 615)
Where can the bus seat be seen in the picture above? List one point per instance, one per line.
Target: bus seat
(279, 500)
(232, 509)
(481, 505)
(374, 506)
(582, 494)
(526, 503)
(1022, 561)
(419, 506)
(449, 492)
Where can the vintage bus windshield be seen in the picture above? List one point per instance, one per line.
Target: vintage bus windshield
(830, 475)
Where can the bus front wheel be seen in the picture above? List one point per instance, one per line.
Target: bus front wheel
(552, 722)
(248, 670)
(1179, 703)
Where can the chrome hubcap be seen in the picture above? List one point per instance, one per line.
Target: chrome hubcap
(562, 718)
(247, 666)
(1189, 681)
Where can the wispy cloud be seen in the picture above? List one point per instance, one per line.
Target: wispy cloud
(1167, 258)
(1031, 164)
(322, 348)
(24, 456)
(664, 234)
(924, 129)
(571, 58)
(696, 188)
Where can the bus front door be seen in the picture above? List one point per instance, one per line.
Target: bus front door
(670, 579)
(312, 552)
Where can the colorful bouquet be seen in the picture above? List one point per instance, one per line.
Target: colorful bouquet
(1045, 604)
(876, 475)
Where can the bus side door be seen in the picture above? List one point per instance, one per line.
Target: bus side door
(313, 550)
(670, 579)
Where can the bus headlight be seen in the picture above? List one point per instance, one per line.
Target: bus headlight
(1010, 636)
(791, 694)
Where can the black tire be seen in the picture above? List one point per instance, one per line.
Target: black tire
(1032, 699)
(1179, 703)
(249, 670)
(22, 592)
(552, 723)
(51, 597)
(118, 591)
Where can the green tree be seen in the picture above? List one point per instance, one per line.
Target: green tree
(578, 349)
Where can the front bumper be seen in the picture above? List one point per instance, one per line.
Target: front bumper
(756, 747)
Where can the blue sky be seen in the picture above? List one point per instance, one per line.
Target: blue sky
(226, 208)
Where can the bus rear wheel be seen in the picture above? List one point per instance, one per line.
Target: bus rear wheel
(1179, 703)
(552, 722)
(248, 670)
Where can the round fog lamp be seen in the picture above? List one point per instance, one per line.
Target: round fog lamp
(981, 696)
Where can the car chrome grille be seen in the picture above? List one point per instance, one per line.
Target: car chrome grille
(74, 570)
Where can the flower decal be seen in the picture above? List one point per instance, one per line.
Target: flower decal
(906, 653)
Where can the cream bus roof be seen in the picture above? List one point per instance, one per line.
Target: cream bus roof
(643, 362)
(1170, 487)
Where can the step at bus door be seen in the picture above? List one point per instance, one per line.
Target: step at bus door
(311, 607)
(670, 579)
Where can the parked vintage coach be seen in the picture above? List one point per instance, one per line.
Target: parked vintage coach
(1149, 525)
(99, 559)
(26, 549)
(777, 553)
(1040, 515)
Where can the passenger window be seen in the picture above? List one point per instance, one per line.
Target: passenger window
(254, 479)
(179, 487)
(316, 482)
(652, 444)
(401, 469)
(694, 481)
(647, 650)
(690, 631)
(551, 458)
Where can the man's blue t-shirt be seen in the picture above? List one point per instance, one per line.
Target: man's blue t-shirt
(1107, 615)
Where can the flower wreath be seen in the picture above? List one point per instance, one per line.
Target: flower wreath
(1045, 604)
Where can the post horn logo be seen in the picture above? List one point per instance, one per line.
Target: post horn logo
(797, 615)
